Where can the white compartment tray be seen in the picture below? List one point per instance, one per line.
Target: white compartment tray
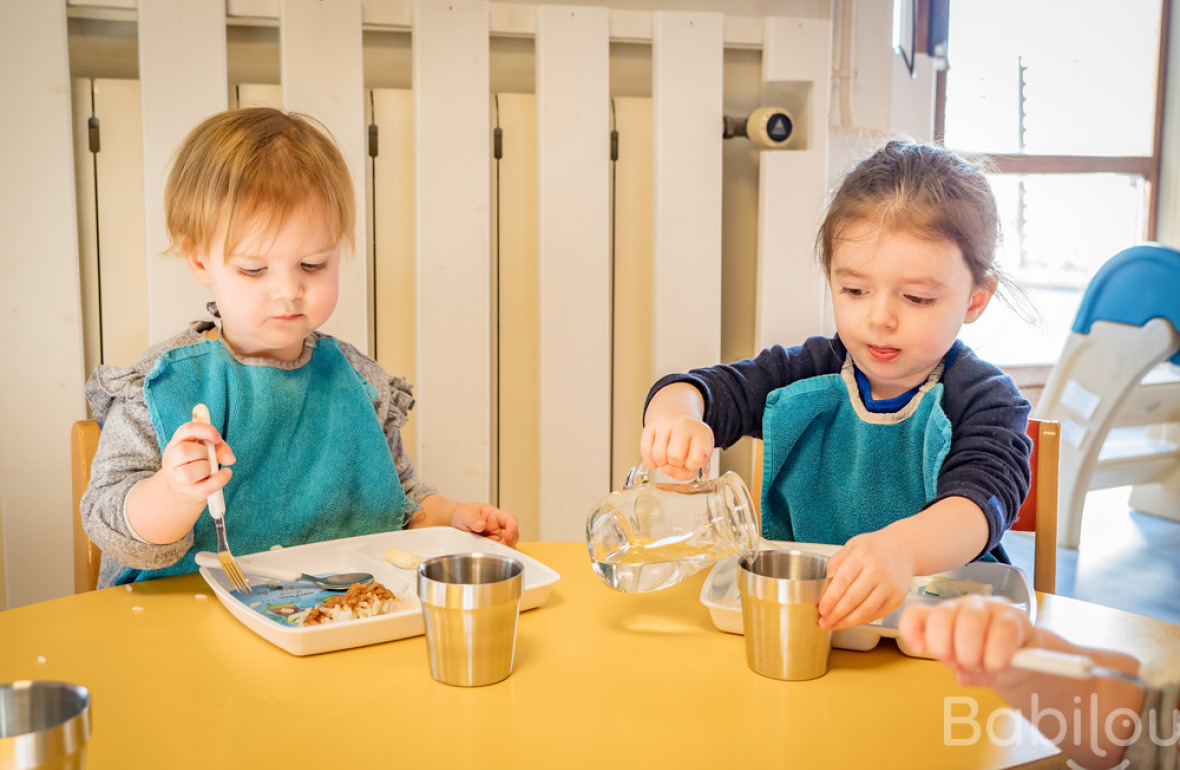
(359, 554)
(720, 594)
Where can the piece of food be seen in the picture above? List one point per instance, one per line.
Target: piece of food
(949, 588)
(360, 601)
(402, 559)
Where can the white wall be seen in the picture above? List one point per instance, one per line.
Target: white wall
(40, 303)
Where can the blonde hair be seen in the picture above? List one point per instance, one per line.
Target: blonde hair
(247, 167)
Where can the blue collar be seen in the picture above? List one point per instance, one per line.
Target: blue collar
(888, 405)
(884, 405)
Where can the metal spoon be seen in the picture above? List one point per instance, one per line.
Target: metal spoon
(338, 582)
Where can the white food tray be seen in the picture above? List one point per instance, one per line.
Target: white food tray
(720, 594)
(363, 554)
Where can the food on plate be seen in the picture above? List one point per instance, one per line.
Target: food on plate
(403, 559)
(949, 588)
(360, 601)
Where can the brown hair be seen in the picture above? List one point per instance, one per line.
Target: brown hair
(923, 190)
(255, 165)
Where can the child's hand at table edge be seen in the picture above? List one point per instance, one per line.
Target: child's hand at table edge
(870, 576)
(974, 636)
(487, 520)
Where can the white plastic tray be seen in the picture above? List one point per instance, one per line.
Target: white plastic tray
(362, 554)
(720, 594)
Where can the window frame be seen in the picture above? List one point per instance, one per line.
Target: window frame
(1146, 166)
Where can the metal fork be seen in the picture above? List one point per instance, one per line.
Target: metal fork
(217, 511)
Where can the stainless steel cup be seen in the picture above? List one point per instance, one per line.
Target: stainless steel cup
(780, 614)
(43, 725)
(470, 602)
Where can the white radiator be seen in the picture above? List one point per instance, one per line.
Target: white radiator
(530, 298)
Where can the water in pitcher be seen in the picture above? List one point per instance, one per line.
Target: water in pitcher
(652, 536)
(655, 568)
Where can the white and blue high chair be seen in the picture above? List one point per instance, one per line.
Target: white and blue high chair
(1116, 389)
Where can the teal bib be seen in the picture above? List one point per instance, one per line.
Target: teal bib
(832, 469)
(312, 459)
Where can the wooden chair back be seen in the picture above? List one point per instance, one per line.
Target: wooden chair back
(1039, 512)
(87, 556)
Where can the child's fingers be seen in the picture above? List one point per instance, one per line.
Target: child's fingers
(677, 472)
(658, 448)
(679, 450)
(475, 519)
(646, 445)
(211, 484)
(225, 455)
(846, 592)
(509, 531)
(699, 449)
(970, 633)
(873, 606)
(196, 431)
(940, 624)
(912, 627)
(1007, 633)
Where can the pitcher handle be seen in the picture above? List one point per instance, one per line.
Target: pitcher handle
(639, 473)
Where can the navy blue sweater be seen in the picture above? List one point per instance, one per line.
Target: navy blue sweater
(988, 458)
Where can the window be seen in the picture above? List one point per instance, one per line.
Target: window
(1065, 97)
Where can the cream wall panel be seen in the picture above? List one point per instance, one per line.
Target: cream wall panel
(323, 76)
(631, 333)
(119, 184)
(573, 166)
(517, 331)
(795, 74)
(87, 212)
(687, 59)
(392, 225)
(453, 245)
(259, 95)
(182, 76)
(39, 293)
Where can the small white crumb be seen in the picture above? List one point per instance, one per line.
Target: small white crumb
(255, 604)
(276, 548)
(40, 658)
(137, 609)
(128, 586)
(200, 596)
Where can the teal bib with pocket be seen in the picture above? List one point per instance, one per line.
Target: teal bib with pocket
(312, 462)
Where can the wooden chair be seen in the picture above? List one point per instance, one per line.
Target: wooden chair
(1038, 514)
(87, 557)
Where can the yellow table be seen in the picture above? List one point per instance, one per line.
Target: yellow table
(602, 679)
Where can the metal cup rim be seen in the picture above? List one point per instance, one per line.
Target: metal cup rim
(454, 593)
(50, 741)
(514, 565)
(746, 562)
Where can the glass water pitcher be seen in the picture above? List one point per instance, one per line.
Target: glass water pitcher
(651, 535)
